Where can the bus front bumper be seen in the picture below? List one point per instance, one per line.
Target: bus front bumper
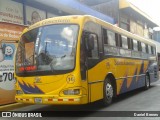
(51, 100)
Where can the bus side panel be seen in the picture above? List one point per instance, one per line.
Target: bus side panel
(153, 72)
(142, 74)
(132, 77)
(126, 70)
(96, 91)
(129, 75)
(96, 77)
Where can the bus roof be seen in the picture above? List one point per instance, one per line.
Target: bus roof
(77, 19)
(58, 20)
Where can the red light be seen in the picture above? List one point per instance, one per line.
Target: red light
(71, 99)
(21, 69)
(49, 99)
(28, 68)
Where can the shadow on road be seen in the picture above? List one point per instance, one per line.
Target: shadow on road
(130, 94)
(95, 109)
(92, 107)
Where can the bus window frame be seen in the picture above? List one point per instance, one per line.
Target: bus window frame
(135, 45)
(116, 36)
(126, 40)
(58, 72)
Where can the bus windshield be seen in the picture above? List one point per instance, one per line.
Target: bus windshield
(47, 49)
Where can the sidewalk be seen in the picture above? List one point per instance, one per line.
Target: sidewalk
(12, 106)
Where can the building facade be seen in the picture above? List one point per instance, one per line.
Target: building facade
(156, 35)
(127, 16)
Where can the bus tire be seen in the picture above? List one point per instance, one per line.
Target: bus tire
(147, 82)
(108, 92)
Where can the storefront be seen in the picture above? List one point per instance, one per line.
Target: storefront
(9, 35)
(15, 16)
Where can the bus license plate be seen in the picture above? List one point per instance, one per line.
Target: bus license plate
(38, 100)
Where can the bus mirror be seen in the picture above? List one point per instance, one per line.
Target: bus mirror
(90, 42)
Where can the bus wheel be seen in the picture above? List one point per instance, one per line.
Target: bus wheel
(108, 92)
(147, 82)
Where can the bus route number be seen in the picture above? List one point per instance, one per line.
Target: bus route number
(7, 76)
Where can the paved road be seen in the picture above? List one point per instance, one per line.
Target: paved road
(138, 100)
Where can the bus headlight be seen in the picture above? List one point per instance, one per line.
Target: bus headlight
(19, 92)
(71, 92)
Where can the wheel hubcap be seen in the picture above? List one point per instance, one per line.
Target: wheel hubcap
(109, 91)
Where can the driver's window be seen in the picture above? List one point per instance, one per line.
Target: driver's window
(94, 51)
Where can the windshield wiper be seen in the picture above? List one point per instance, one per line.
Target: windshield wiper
(54, 60)
(63, 56)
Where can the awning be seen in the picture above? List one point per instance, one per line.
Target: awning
(75, 8)
(129, 7)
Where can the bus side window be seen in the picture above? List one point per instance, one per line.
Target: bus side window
(139, 46)
(91, 45)
(143, 47)
(120, 41)
(146, 48)
(116, 38)
(124, 42)
(129, 43)
(153, 50)
(111, 38)
(149, 49)
(135, 46)
(105, 38)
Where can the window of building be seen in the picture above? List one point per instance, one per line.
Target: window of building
(124, 26)
(124, 23)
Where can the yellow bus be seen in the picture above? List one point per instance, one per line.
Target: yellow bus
(81, 59)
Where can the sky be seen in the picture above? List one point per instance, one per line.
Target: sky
(150, 7)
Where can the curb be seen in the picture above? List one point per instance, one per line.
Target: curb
(12, 106)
